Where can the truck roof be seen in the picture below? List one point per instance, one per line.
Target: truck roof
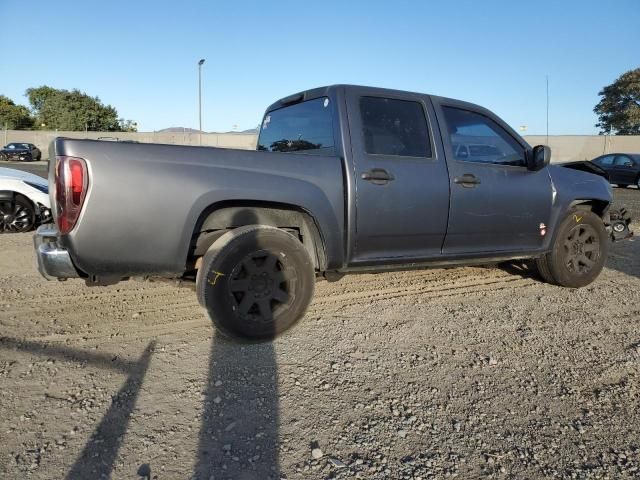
(326, 90)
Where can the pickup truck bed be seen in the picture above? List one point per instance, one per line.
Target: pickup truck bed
(163, 194)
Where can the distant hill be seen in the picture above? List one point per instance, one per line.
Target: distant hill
(251, 131)
(178, 130)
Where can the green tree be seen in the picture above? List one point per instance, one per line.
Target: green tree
(619, 107)
(15, 117)
(72, 110)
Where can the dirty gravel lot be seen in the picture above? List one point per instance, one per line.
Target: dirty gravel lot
(466, 372)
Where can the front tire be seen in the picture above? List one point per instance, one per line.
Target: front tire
(255, 282)
(579, 251)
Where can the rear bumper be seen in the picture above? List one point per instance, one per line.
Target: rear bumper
(53, 260)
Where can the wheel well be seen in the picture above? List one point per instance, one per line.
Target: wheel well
(599, 207)
(218, 219)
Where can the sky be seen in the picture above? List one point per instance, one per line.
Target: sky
(141, 56)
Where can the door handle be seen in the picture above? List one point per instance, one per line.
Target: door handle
(377, 176)
(467, 180)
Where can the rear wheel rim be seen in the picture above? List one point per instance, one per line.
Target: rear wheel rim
(582, 249)
(261, 287)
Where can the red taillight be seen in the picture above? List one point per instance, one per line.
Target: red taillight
(72, 181)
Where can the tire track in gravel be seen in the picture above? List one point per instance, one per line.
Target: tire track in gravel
(330, 298)
(464, 284)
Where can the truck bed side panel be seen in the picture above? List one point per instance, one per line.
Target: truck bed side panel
(144, 200)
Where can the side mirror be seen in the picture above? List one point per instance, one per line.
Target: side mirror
(539, 158)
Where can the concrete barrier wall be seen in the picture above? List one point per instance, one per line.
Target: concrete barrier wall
(42, 138)
(564, 148)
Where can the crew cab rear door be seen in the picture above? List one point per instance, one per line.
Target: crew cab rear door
(400, 175)
(497, 204)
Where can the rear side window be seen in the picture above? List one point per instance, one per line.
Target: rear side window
(394, 127)
(305, 126)
(477, 138)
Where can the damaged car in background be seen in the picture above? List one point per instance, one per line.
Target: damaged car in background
(24, 201)
(345, 179)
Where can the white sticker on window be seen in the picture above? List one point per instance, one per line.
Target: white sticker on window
(266, 121)
(326, 102)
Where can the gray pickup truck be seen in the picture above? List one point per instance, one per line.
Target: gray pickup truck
(344, 179)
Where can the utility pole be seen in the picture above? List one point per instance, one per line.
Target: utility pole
(547, 142)
(200, 96)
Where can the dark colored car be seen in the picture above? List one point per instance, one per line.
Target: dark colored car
(20, 152)
(623, 169)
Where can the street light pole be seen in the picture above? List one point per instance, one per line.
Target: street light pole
(547, 110)
(200, 96)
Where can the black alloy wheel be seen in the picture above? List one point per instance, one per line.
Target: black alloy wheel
(261, 287)
(582, 248)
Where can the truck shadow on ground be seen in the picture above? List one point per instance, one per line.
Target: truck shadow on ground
(101, 450)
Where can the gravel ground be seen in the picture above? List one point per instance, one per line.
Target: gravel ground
(466, 372)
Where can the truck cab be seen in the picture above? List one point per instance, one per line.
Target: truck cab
(426, 177)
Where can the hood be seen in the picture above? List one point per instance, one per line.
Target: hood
(578, 184)
(586, 166)
(24, 176)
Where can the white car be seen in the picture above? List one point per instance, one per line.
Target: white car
(24, 201)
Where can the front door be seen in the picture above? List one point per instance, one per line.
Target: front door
(401, 181)
(497, 204)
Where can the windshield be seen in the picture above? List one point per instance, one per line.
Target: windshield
(304, 126)
(17, 145)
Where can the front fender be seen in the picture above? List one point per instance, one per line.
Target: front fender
(574, 187)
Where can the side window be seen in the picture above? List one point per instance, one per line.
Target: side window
(608, 160)
(394, 127)
(622, 161)
(480, 139)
